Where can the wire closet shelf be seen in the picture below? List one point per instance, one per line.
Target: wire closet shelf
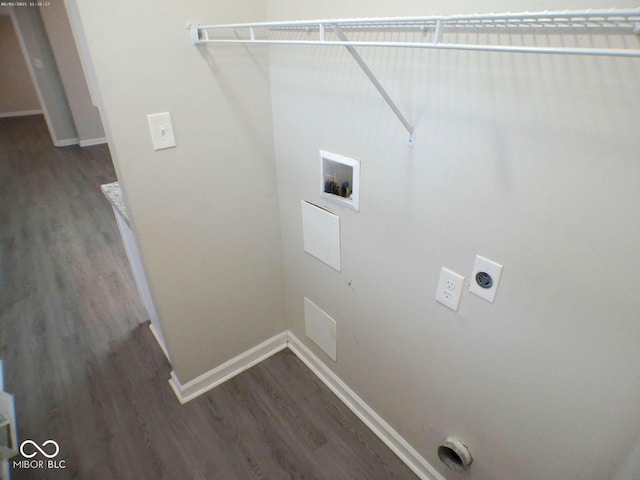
(613, 33)
(450, 32)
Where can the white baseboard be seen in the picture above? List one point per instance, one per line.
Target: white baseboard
(364, 412)
(21, 113)
(160, 340)
(93, 141)
(66, 142)
(227, 370)
(359, 407)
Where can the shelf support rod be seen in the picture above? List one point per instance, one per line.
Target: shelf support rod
(438, 34)
(365, 68)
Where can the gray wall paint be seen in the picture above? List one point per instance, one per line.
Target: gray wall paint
(85, 116)
(530, 160)
(206, 212)
(630, 468)
(58, 115)
(16, 89)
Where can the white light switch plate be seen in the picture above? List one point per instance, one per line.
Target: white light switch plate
(161, 130)
(493, 270)
(449, 289)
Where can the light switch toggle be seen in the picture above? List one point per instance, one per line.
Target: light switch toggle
(161, 130)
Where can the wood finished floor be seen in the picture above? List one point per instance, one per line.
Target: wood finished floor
(86, 371)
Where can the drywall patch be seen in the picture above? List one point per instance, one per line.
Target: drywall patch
(320, 328)
(321, 234)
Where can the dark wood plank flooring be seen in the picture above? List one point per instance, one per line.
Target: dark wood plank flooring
(87, 373)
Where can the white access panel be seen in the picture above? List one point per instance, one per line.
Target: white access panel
(321, 234)
(320, 328)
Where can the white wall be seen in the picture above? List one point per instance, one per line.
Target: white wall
(16, 89)
(530, 160)
(206, 212)
(86, 117)
(630, 467)
(49, 85)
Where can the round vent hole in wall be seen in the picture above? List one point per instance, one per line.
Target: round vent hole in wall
(450, 458)
(455, 455)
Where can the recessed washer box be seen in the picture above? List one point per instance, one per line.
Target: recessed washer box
(340, 179)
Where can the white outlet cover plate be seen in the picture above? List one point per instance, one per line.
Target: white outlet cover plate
(494, 269)
(449, 289)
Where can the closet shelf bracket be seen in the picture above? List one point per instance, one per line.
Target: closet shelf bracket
(365, 68)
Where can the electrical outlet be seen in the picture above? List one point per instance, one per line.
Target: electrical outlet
(449, 288)
(485, 278)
